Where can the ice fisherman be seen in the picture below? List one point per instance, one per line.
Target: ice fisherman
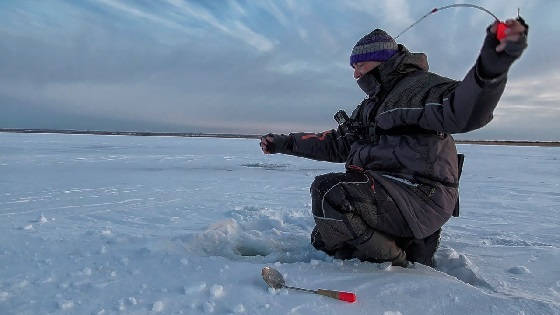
(402, 167)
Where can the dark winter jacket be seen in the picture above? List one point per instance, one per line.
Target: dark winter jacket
(407, 147)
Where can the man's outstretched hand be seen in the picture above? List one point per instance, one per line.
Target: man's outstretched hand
(496, 56)
(267, 144)
(274, 143)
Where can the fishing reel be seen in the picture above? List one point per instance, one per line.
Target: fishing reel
(346, 124)
(341, 118)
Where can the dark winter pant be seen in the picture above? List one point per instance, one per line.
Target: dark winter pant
(356, 219)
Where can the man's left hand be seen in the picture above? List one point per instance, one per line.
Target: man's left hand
(496, 56)
(516, 28)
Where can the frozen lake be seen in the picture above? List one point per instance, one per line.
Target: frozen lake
(142, 225)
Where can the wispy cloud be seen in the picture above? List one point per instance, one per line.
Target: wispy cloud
(237, 8)
(235, 29)
(293, 67)
(142, 14)
(274, 10)
(394, 13)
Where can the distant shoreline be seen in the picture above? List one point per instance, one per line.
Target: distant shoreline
(246, 136)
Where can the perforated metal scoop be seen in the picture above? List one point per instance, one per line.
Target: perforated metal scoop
(275, 280)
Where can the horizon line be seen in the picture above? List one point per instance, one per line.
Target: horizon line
(243, 136)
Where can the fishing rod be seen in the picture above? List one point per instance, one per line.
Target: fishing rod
(500, 33)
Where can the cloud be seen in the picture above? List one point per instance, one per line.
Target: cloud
(142, 14)
(531, 96)
(258, 41)
(235, 65)
(275, 11)
(237, 8)
(293, 67)
(393, 13)
(235, 29)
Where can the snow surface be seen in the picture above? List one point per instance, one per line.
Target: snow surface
(163, 225)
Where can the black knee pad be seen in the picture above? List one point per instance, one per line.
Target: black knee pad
(334, 184)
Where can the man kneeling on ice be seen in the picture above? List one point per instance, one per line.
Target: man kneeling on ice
(402, 167)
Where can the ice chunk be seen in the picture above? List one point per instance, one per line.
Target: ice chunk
(217, 291)
(121, 305)
(197, 288)
(460, 266)
(42, 219)
(157, 306)
(239, 308)
(22, 284)
(208, 307)
(66, 305)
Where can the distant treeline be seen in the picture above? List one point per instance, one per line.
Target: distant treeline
(131, 133)
(246, 136)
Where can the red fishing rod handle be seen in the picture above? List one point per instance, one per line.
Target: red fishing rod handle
(501, 30)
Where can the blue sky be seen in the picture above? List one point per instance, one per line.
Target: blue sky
(246, 66)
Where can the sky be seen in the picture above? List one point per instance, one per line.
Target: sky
(248, 67)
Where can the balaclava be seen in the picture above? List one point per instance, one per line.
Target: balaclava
(375, 46)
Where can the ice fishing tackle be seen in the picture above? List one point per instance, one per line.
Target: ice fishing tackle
(500, 32)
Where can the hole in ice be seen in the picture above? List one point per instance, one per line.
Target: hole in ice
(257, 235)
(251, 251)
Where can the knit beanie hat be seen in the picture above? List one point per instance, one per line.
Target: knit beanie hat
(375, 46)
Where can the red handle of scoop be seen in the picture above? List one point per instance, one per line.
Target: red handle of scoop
(501, 31)
(347, 296)
(339, 295)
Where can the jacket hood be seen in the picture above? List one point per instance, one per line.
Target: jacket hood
(402, 62)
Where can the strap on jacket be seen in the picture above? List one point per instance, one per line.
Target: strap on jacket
(460, 160)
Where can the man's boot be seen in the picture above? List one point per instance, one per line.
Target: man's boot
(378, 247)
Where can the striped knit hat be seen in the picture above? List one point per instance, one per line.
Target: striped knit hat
(375, 46)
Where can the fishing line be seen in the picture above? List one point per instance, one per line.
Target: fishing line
(500, 33)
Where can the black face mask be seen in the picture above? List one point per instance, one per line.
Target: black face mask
(369, 83)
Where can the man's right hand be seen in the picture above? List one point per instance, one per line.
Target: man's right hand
(267, 144)
(274, 143)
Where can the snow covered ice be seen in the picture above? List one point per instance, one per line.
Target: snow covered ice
(144, 225)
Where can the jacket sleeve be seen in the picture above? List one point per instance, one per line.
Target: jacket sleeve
(331, 146)
(466, 107)
(453, 106)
